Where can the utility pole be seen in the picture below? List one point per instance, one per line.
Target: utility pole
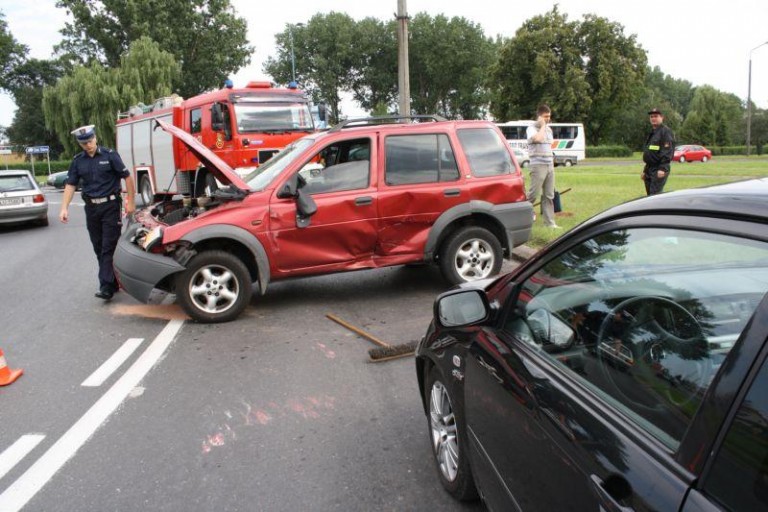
(749, 99)
(403, 75)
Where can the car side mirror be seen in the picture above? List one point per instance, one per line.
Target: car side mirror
(459, 308)
(217, 118)
(549, 331)
(305, 205)
(290, 188)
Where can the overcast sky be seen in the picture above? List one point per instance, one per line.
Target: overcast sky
(702, 41)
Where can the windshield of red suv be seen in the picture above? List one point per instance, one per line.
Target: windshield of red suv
(263, 175)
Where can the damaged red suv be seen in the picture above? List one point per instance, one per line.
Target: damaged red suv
(368, 193)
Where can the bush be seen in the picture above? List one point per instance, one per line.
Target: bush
(734, 150)
(608, 151)
(41, 167)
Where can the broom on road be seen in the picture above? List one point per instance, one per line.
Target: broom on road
(385, 351)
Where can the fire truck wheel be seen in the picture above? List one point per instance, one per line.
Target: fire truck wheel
(215, 287)
(145, 189)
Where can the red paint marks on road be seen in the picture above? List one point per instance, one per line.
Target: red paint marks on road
(311, 407)
(262, 417)
(215, 440)
(330, 354)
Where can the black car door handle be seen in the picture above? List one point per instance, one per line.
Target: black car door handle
(363, 201)
(607, 502)
(452, 192)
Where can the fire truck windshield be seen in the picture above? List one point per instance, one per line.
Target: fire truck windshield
(273, 117)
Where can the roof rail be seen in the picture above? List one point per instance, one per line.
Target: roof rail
(388, 119)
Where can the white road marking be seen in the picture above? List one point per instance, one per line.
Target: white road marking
(17, 451)
(98, 377)
(22, 490)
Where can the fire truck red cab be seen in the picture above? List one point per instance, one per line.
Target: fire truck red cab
(244, 127)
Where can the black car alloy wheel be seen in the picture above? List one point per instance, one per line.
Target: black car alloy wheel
(448, 443)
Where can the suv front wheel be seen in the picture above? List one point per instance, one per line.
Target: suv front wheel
(469, 254)
(215, 287)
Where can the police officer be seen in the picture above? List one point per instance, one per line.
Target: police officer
(657, 154)
(100, 170)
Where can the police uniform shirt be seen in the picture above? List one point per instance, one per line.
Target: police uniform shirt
(659, 149)
(101, 173)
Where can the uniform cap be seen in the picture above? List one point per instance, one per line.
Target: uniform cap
(655, 111)
(84, 133)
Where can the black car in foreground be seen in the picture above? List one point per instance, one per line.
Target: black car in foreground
(624, 367)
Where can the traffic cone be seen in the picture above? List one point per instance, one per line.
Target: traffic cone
(7, 376)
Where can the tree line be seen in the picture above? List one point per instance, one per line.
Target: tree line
(116, 53)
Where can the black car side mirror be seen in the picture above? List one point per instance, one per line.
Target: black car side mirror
(459, 308)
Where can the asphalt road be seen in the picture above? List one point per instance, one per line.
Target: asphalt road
(279, 410)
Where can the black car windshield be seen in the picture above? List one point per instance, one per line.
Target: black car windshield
(263, 175)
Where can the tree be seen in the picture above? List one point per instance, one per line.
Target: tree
(586, 71)
(205, 36)
(541, 64)
(374, 82)
(334, 54)
(759, 132)
(449, 61)
(325, 56)
(93, 94)
(12, 53)
(615, 67)
(672, 96)
(714, 119)
(26, 84)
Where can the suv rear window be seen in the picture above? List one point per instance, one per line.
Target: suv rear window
(486, 151)
(424, 158)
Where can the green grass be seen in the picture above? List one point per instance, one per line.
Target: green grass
(597, 186)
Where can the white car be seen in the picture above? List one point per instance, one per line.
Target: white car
(21, 199)
(522, 157)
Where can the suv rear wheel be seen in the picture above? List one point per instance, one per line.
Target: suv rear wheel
(215, 287)
(469, 254)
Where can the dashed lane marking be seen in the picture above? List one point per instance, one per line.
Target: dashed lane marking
(98, 377)
(27, 485)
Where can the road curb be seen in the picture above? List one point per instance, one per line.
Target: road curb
(522, 253)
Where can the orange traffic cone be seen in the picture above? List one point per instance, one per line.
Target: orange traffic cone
(7, 376)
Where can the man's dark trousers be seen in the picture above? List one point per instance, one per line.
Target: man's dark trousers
(104, 228)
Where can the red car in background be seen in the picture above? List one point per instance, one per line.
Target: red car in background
(691, 153)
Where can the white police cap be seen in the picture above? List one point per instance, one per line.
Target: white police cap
(84, 133)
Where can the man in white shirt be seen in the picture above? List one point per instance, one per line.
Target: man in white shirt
(542, 165)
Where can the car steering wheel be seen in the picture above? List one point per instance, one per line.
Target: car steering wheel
(656, 329)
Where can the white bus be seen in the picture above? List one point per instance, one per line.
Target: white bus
(569, 140)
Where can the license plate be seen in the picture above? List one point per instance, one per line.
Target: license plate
(9, 201)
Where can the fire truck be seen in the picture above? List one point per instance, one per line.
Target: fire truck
(244, 127)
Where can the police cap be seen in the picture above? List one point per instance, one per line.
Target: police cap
(655, 111)
(84, 133)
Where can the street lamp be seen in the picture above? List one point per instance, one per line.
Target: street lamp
(749, 98)
(293, 58)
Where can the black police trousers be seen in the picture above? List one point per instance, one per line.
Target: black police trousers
(104, 228)
(653, 184)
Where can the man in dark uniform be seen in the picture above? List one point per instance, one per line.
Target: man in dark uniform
(101, 170)
(657, 154)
